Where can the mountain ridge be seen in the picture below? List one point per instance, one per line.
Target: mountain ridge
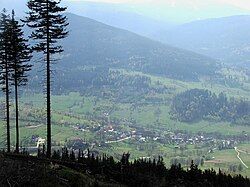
(226, 38)
(118, 48)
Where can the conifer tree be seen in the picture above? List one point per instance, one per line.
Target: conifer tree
(5, 66)
(49, 25)
(20, 55)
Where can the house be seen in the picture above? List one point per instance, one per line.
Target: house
(40, 142)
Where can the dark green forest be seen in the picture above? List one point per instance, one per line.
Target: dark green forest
(197, 104)
(67, 168)
(77, 93)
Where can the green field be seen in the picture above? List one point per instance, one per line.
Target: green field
(128, 111)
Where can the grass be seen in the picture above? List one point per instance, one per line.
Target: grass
(72, 109)
(222, 159)
(180, 86)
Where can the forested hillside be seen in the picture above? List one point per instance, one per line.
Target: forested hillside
(92, 43)
(194, 105)
(224, 38)
(98, 91)
(87, 170)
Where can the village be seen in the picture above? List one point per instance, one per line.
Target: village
(108, 134)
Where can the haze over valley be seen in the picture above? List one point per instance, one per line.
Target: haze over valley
(156, 79)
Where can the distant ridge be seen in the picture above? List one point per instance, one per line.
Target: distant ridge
(227, 38)
(96, 44)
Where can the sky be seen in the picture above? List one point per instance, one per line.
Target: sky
(182, 11)
(244, 4)
(178, 11)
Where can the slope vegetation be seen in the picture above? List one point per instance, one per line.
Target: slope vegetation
(92, 43)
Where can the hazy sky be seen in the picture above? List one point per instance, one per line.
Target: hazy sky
(178, 11)
(245, 4)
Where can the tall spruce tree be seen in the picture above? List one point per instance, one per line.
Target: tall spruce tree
(20, 55)
(5, 66)
(49, 25)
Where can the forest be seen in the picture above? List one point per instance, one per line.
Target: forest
(197, 104)
(84, 103)
(66, 168)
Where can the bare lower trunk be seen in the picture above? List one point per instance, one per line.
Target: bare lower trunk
(48, 110)
(17, 117)
(48, 91)
(7, 114)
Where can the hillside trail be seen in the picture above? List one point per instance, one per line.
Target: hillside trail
(120, 140)
(238, 156)
(243, 151)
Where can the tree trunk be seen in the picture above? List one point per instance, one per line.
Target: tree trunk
(48, 89)
(7, 104)
(17, 117)
(48, 109)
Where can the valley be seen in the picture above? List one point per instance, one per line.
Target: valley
(124, 94)
(130, 112)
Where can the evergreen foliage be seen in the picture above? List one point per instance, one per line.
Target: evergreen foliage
(14, 58)
(20, 55)
(5, 65)
(48, 26)
(147, 172)
(196, 104)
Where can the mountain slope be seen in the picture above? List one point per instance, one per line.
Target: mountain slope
(227, 39)
(95, 44)
(120, 16)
